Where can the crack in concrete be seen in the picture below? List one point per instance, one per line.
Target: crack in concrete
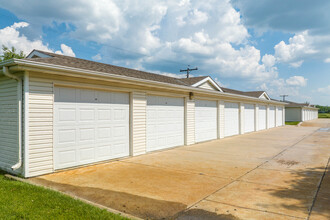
(318, 189)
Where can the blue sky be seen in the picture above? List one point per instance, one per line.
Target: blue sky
(243, 44)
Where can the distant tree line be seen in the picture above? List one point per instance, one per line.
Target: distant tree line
(323, 109)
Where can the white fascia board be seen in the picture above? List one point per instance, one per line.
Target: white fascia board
(265, 94)
(38, 54)
(63, 70)
(209, 79)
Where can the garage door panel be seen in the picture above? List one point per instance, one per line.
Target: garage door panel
(81, 128)
(86, 114)
(103, 133)
(86, 154)
(205, 120)
(66, 136)
(104, 113)
(165, 122)
(231, 119)
(86, 135)
(66, 158)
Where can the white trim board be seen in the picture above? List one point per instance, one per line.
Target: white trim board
(210, 80)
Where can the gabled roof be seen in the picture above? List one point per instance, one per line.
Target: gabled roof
(192, 80)
(295, 104)
(255, 94)
(209, 80)
(74, 62)
(57, 60)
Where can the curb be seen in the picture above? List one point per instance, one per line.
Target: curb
(9, 176)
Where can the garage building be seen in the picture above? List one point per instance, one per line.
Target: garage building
(300, 112)
(59, 112)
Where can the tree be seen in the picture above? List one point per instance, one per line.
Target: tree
(10, 54)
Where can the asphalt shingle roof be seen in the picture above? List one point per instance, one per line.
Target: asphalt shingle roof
(255, 94)
(74, 62)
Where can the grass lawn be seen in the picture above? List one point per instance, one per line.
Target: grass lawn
(20, 200)
(324, 115)
(292, 122)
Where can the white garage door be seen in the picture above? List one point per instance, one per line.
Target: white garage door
(249, 118)
(262, 116)
(231, 119)
(271, 118)
(279, 116)
(205, 120)
(165, 122)
(89, 126)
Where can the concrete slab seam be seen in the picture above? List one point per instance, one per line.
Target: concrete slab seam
(265, 211)
(318, 189)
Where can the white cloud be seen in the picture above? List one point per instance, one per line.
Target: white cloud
(219, 82)
(97, 57)
(327, 60)
(297, 64)
(298, 48)
(66, 50)
(188, 32)
(308, 22)
(325, 90)
(296, 81)
(198, 17)
(11, 37)
(268, 60)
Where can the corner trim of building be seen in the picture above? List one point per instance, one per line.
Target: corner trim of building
(26, 123)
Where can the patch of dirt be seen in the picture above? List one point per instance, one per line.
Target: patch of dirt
(143, 207)
(197, 214)
(287, 162)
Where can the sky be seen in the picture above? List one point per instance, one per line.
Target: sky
(282, 47)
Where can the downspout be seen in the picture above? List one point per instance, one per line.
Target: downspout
(7, 73)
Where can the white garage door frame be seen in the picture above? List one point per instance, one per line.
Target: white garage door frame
(271, 117)
(205, 120)
(232, 119)
(165, 122)
(249, 118)
(262, 117)
(84, 128)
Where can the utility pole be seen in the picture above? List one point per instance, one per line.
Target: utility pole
(188, 70)
(283, 96)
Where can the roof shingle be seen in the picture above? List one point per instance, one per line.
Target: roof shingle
(74, 62)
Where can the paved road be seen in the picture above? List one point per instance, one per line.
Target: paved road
(273, 174)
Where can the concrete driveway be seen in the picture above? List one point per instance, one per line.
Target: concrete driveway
(272, 174)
